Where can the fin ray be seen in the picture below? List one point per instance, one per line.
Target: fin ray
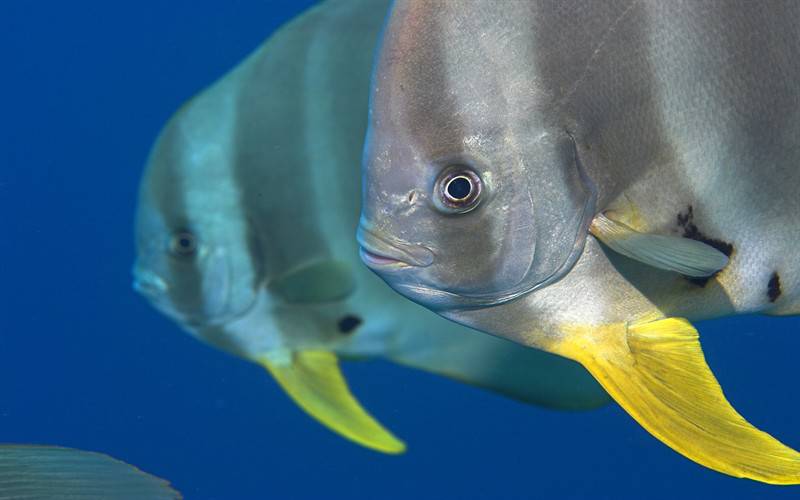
(52, 472)
(672, 253)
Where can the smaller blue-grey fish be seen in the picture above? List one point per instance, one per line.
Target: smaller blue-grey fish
(55, 473)
(244, 234)
(586, 177)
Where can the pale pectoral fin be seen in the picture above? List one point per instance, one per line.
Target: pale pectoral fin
(657, 372)
(51, 472)
(672, 253)
(315, 382)
(319, 281)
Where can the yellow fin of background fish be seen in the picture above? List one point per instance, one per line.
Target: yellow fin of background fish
(52, 472)
(657, 372)
(672, 253)
(315, 382)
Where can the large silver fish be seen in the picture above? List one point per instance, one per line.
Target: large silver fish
(587, 177)
(244, 234)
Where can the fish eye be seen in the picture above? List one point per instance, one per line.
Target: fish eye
(459, 189)
(183, 244)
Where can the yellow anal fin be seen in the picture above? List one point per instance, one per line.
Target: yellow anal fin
(315, 382)
(657, 372)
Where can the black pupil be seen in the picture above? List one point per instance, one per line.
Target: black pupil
(184, 244)
(459, 188)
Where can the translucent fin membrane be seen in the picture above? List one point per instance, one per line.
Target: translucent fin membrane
(671, 253)
(50, 472)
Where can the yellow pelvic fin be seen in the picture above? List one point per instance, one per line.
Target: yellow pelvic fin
(657, 372)
(315, 382)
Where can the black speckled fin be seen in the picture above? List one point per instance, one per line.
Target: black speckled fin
(672, 253)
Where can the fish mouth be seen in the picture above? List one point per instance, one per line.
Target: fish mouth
(382, 254)
(152, 286)
(156, 290)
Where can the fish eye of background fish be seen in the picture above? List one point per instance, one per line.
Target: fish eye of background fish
(183, 244)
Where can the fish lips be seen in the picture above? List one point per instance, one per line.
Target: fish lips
(392, 260)
(156, 290)
(382, 254)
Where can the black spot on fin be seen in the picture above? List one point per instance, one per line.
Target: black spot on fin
(774, 287)
(349, 323)
(690, 230)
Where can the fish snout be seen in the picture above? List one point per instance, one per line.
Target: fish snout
(149, 284)
(155, 290)
(382, 253)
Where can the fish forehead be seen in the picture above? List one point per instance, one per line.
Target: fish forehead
(422, 83)
(467, 57)
(484, 61)
(484, 80)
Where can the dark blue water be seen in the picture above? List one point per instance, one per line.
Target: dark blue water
(84, 362)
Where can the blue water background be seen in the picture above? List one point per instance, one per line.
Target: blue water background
(84, 362)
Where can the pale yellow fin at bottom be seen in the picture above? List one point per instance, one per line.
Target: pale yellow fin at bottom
(315, 382)
(657, 372)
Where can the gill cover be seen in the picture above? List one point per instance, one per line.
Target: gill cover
(657, 372)
(562, 202)
(315, 382)
(563, 198)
